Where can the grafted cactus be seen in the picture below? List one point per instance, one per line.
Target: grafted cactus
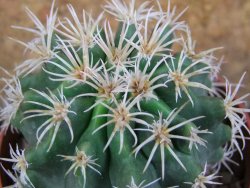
(104, 109)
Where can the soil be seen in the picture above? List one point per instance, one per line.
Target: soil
(214, 23)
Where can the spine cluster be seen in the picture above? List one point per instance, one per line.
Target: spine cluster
(120, 106)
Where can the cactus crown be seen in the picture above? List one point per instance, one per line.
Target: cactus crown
(104, 109)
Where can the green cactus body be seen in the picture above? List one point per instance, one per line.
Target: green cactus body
(98, 109)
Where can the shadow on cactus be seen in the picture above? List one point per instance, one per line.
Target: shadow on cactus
(99, 108)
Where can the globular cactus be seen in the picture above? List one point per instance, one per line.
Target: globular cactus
(98, 109)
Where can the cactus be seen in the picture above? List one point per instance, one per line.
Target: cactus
(98, 109)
